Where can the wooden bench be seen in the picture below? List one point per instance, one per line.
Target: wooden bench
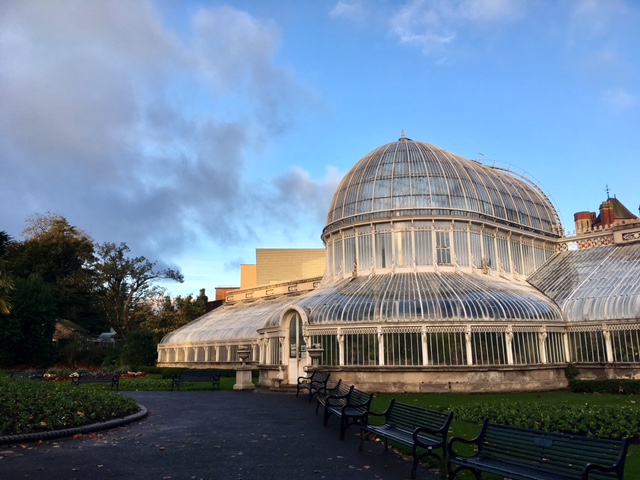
(28, 375)
(521, 453)
(316, 382)
(421, 429)
(196, 375)
(113, 378)
(352, 408)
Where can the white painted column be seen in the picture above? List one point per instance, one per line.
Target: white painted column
(567, 350)
(542, 340)
(467, 336)
(508, 334)
(607, 342)
(380, 347)
(425, 345)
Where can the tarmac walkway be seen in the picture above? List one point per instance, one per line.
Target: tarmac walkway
(235, 435)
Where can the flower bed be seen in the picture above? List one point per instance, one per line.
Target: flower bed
(57, 377)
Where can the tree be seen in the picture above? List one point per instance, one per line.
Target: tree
(26, 333)
(6, 283)
(126, 285)
(61, 255)
(173, 313)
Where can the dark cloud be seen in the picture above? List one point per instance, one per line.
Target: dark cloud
(137, 134)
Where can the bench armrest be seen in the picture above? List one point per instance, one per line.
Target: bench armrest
(335, 397)
(453, 440)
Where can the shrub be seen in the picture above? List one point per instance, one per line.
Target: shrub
(613, 386)
(571, 372)
(602, 421)
(27, 406)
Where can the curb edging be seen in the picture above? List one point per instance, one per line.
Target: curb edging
(69, 432)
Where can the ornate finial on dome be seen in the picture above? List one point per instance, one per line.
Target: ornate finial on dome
(403, 136)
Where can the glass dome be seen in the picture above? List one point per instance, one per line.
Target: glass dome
(414, 179)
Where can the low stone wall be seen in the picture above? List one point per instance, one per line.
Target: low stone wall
(441, 380)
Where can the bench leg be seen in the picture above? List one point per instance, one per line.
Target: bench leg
(363, 438)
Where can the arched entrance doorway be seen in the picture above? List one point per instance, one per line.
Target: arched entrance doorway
(296, 348)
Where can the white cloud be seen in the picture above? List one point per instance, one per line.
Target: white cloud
(434, 26)
(619, 99)
(348, 10)
(131, 132)
(595, 16)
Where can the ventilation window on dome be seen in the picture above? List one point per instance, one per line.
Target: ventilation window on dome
(443, 248)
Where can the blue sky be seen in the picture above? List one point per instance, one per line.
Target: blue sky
(197, 132)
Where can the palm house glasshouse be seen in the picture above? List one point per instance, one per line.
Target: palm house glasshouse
(442, 274)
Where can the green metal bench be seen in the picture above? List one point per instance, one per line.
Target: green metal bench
(316, 382)
(421, 429)
(196, 375)
(351, 407)
(112, 378)
(526, 454)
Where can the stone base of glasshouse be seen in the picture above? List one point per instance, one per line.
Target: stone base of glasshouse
(447, 380)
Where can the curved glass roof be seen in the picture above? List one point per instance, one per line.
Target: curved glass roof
(427, 296)
(409, 178)
(239, 321)
(594, 284)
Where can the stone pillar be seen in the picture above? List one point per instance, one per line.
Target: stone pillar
(340, 338)
(243, 372)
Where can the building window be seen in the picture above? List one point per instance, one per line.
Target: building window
(443, 248)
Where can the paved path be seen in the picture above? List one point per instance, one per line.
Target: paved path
(211, 435)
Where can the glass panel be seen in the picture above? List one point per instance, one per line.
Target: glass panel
(361, 349)
(424, 249)
(488, 348)
(489, 258)
(383, 246)
(402, 349)
(503, 253)
(330, 345)
(365, 253)
(446, 348)
(402, 249)
(350, 252)
(626, 345)
(526, 350)
(555, 348)
(461, 247)
(587, 347)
